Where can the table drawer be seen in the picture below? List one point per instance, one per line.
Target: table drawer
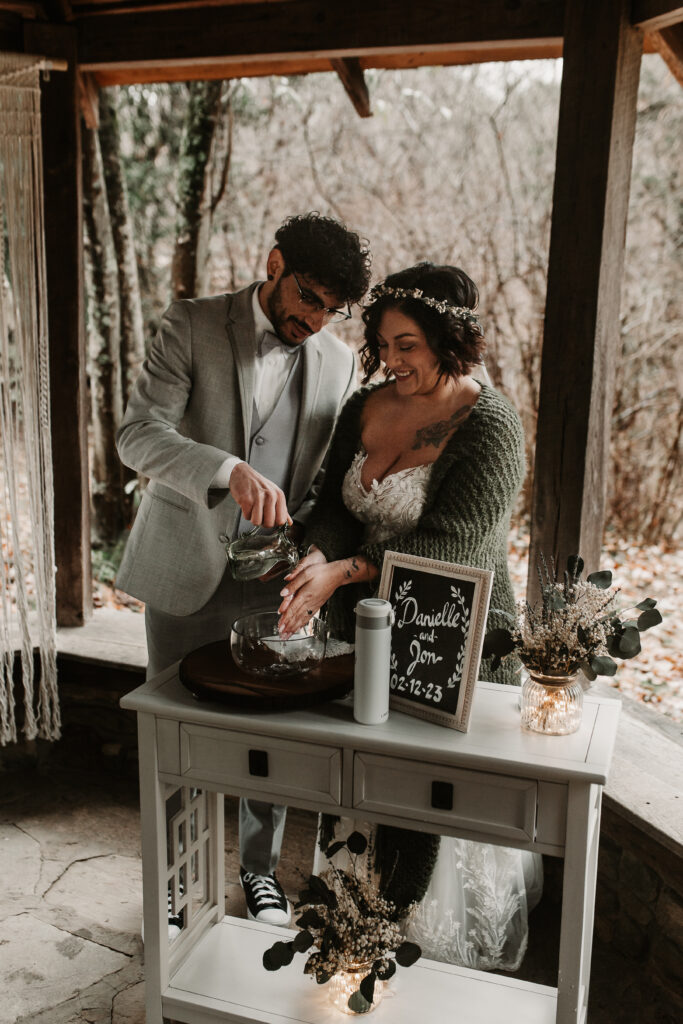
(243, 763)
(476, 801)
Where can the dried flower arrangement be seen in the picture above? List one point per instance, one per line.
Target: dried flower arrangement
(576, 625)
(346, 923)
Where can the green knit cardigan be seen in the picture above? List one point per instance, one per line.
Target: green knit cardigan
(466, 515)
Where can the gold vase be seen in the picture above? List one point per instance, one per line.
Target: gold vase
(552, 704)
(344, 983)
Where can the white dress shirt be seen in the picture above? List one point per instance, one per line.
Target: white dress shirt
(272, 366)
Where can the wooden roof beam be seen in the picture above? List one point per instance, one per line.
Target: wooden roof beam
(299, 28)
(255, 68)
(24, 8)
(352, 78)
(654, 15)
(58, 11)
(669, 44)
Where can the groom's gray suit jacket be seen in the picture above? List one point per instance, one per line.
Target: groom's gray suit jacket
(191, 407)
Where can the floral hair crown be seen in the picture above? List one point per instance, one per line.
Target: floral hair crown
(440, 305)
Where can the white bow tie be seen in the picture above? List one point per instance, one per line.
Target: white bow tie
(269, 341)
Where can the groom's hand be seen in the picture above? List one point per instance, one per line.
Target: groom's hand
(262, 502)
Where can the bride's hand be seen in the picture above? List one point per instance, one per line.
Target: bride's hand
(308, 587)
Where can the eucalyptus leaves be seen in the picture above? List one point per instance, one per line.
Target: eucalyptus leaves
(576, 625)
(346, 923)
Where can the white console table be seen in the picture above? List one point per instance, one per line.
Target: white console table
(495, 783)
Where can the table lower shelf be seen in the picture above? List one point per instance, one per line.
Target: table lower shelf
(224, 980)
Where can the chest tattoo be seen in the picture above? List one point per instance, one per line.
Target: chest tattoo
(436, 433)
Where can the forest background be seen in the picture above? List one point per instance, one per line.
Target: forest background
(185, 185)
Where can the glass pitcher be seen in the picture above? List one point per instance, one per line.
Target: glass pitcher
(254, 553)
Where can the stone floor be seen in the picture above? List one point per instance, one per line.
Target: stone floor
(71, 906)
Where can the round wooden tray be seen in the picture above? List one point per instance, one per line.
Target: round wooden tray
(210, 673)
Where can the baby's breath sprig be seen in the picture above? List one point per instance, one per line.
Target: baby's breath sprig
(345, 922)
(462, 313)
(575, 625)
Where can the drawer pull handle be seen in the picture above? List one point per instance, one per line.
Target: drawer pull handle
(258, 763)
(442, 796)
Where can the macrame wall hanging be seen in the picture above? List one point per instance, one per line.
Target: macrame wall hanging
(27, 566)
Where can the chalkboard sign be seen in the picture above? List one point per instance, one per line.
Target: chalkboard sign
(440, 614)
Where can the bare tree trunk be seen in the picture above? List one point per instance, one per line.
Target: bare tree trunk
(132, 339)
(216, 180)
(104, 330)
(194, 162)
(666, 513)
(132, 330)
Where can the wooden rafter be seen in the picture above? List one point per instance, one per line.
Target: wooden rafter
(352, 78)
(105, 5)
(654, 15)
(307, 28)
(25, 8)
(59, 11)
(84, 7)
(669, 45)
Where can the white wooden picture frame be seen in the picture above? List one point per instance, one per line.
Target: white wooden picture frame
(440, 611)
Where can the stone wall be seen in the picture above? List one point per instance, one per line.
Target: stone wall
(97, 735)
(638, 949)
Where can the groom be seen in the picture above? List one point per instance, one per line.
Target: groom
(230, 419)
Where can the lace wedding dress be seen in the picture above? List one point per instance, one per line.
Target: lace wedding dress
(392, 506)
(475, 911)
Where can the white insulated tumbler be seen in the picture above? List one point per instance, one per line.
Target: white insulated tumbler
(371, 670)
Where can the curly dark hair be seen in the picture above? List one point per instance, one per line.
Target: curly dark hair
(322, 247)
(457, 342)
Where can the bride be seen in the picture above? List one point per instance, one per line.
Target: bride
(429, 462)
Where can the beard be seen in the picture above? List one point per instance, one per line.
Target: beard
(282, 321)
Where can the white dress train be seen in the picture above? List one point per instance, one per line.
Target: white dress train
(475, 910)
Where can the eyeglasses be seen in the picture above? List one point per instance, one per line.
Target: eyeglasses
(311, 301)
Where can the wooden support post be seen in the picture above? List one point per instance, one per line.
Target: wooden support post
(89, 94)
(581, 340)
(66, 322)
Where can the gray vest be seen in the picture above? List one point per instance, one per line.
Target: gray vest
(271, 444)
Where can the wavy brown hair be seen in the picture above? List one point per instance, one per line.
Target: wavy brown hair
(456, 341)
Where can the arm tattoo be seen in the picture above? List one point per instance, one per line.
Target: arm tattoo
(354, 568)
(436, 433)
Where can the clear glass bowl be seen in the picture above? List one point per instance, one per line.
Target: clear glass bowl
(258, 648)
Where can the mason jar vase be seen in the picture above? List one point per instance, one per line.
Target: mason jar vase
(552, 704)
